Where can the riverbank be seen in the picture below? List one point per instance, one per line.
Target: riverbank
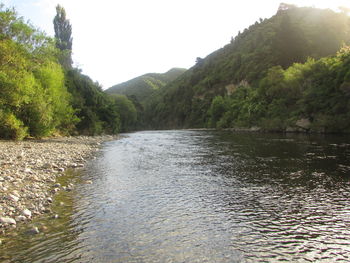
(28, 173)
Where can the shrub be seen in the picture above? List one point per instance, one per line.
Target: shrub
(11, 127)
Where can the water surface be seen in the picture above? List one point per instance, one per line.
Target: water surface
(204, 196)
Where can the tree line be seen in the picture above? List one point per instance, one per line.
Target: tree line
(42, 94)
(311, 96)
(277, 72)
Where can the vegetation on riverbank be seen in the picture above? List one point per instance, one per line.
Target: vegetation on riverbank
(289, 72)
(314, 96)
(41, 93)
(286, 73)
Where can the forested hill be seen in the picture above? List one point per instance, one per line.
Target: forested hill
(144, 86)
(292, 35)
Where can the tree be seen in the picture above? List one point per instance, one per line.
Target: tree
(290, 43)
(217, 110)
(63, 35)
(127, 111)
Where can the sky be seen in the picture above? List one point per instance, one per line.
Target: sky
(117, 40)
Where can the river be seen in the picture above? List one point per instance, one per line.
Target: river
(202, 196)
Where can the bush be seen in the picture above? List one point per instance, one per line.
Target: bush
(11, 127)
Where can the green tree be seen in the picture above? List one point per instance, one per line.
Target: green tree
(63, 36)
(217, 110)
(127, 111)
(97, 111)
(33, 98)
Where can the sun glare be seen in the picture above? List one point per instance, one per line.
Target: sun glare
(322, 3)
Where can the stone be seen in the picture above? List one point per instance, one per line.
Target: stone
(303, 123)
(21, 218)
(27, 213)
(88, 182)
(55, 190)
(29, 170)
(13, 198)
(33, 231)
(7, 220)
(43, 228)
(57, 185)
(55, 216)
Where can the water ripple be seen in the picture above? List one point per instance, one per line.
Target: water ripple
(198, 196)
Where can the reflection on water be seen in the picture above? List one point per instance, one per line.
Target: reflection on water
(199, 196)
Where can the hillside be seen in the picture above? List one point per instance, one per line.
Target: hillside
(291, 36)
(144, 86)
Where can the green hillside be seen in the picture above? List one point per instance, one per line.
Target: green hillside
(144, 86)
(291, 36)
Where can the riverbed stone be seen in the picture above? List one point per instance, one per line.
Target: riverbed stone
(27, 213)
(57, 185)
(33, 231)
(55, 216)
(21, 218)
(7, 220)
(29, 170)
(13, 198)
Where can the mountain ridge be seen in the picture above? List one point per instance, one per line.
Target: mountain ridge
(143, 86)
(292, 35)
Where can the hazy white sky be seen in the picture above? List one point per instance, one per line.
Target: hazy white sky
(116, 40)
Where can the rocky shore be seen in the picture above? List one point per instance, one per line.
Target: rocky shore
(28, 172)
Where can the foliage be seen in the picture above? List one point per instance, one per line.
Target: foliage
(127, 111)
(317, 91)
(145, 86)
(11, 127)
(41, 95)
(33, 99)
(252, 66)
(217, 110)
(97, 110)
(63, 36)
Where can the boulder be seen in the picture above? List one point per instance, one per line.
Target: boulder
(303, 123)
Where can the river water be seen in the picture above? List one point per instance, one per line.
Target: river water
(203, 196)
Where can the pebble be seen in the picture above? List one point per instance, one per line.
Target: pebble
(13, 198)
(27, 213)
(33, 231)
(30, 168)
(55, 216)
(21, 218)
(55, 190)
(7, 220)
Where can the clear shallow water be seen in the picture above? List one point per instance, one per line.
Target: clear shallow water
(200, 196)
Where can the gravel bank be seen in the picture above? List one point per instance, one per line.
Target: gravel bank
(28, 172)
